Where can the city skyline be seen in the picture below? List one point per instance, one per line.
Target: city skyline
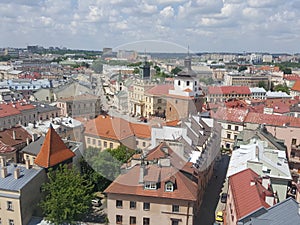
(154, 25)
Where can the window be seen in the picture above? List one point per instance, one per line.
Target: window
(188, 83)
(236, 128)
(111, 145)
(195, 83)
(150, 185)
(294, 141)
(88, 140)
(159, 100)
(132, 220)
(137, 142)
(119, 219)
(144, 144)
(229, 127)
(94, 141)
(175, 222)
(146, 221)
(119, 203)
(228, 136)
(169, 186)
(11, 222)
(235, 137)
(132, 204)
(175, 208)
(9, 205)
(99, 143)
(146, 206)
(179, 83)
(105, 144)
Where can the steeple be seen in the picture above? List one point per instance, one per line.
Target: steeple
(53, 151)
(188, 60)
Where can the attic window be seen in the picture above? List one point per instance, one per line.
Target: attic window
(150, 185)
(169, 187)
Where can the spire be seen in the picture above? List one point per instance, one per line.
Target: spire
(188, 60)
(53, 151)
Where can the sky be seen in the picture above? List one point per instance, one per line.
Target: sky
(153, 25)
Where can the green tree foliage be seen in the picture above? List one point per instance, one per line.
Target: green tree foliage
(97, 66)
(242, 68)
(282, 87)
(262, 84)
(176, 70)
(67, 196)
(102, 167)
(136, 70)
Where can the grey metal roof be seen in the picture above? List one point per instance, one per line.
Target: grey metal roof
(26, 175)
(34, 147)
(285, 212)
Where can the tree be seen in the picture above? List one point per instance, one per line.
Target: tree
(282, 87)
(67, 196)
(176, 70)
(242, 68)
(121, 153)
(262, 84)
(136, 70)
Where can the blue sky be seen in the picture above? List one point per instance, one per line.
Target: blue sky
(153, 25)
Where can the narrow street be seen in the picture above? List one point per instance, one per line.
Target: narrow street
(212, 194)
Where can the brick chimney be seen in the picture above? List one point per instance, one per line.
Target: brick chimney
(17, 173)
(4, 172)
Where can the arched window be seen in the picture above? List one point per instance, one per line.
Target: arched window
(179, 83)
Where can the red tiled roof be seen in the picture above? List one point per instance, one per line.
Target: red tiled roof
(8, 110)
(162, 89)
(296, 86)
(229, 90)
(247, 198)
(188, 90)
(53, 151)
(6, 136)
(128, 184)
(275, 120)
(173, 123)
(109, 127)
(291, 77)
(230, 114)
(141, 130)
(6, 148)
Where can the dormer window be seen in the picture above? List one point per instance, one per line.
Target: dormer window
(169, 187)
(150, 185)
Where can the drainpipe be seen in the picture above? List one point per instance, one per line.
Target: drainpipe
(187, 214)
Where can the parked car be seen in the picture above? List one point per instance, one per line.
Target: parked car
(223, 197)
(219, 216)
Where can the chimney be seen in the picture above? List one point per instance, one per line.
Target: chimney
(17, 173)
(252, 183)
(27, 141)
(27, 164)
(4, 172)
(142, 172)
(3, 161)
(14, 134)
(34, 137)
(266, 182)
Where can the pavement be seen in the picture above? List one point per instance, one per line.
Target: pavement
(211, 199)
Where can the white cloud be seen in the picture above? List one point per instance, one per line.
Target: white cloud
(98, 23)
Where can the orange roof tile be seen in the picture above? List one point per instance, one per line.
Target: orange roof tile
(173, 123)
(162, 89)
(296, 86)
(53, 151)
(141, 130)
(247, 198)
(109, 127)
(229, 90)
(128, 184)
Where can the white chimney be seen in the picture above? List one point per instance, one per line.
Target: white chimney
(3, 161)
(14, 134)
(4, 172)
(17, 173)
(27, 141)
(252, 182)
(27, 164)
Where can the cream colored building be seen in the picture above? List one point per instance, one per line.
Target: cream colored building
(17, 201)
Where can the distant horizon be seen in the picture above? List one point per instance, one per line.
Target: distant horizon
(157, 52)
